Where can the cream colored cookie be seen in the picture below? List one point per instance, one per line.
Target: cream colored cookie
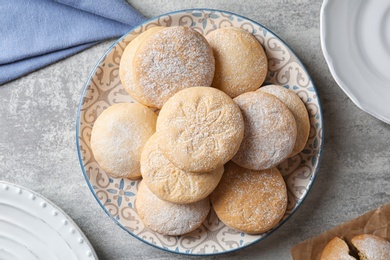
(371, 247)
(270, 131)
(170, 60)
(250, 201)
(170, 183)
(169, 218)
(118, 137)
(126, 64)
(298, 109)
(240, 61)
(336, 249)
(201, 127)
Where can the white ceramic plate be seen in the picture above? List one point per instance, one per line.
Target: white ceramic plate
(32, 227)
(355, 38)
(117, 195)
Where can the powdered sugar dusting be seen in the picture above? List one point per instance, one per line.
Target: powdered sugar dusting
(250, 201)
(118, 137)
(269, 134)
(171, 183)
(372, 247)
(169, 218)
(298, 109)
(126, 65)
(202, 128)
(172, 59)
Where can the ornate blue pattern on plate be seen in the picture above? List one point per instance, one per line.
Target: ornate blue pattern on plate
(117, 196)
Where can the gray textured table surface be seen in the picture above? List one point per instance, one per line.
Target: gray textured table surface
(38, 151)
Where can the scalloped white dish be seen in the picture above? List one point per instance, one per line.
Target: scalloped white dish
(32, 227)
(117, 196)
(355, 39)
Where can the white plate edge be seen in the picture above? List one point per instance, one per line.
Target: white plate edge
(335, 75)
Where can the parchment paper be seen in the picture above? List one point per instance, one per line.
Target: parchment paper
(375, 222)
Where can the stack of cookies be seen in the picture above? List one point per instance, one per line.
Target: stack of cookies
(218, 136)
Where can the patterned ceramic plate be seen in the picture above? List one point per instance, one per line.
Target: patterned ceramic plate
(117, 196)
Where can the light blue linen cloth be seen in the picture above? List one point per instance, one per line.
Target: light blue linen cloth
(36, 33)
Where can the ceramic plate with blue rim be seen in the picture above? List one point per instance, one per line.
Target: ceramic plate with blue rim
(117, 195)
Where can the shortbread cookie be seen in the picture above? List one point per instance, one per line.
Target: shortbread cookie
(201, 127)
(371, 247)
(240, 61)
(126, 65)
(270, 131)
(118, 137)
(170, 60)
(250, 201)
(169, 218)
(298, 109)
(170, 183)
(336, 249)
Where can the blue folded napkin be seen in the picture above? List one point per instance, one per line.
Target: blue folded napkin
(36, 33)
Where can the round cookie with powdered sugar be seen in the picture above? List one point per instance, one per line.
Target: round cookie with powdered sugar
(201, 127)
(298, 108)
(170, 60)
(250, 201)
(270, 131)
(170, 183)
(118, 137)
(371, 247)
(126, 65)
(240, 61)
(169, 218)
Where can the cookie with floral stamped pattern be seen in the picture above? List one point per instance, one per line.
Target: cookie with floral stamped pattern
(202, 129)
(170, 183)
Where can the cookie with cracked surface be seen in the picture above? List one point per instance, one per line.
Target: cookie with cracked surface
(169, 218)
(371, 247)
(250, 201)
(170, 60)
(118, 137)
(298, 108)
(241, 64)
(270, 131)
(202, 129)
(336, 249)
(126, 65)
(170, 183)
